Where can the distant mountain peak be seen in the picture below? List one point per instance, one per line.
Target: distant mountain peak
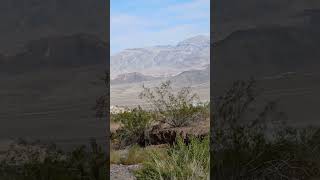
(163, 60)
(196, 40)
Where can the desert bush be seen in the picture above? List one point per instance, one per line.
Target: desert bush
(176, 109)
(248, 144)
(180, 162)
(80, 164)
(134, 123)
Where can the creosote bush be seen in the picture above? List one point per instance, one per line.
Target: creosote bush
(176, 109)
(134, 125)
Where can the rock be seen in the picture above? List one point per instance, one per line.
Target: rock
(168, 135)
(122, 172)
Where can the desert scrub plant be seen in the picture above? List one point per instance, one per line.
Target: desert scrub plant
(180, 162)
(134, 125)
(176, 109)
(78, 164)
(251, 144)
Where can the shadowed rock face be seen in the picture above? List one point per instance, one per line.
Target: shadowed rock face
(166, 135)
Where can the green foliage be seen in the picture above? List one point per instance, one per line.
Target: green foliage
(134, 125)
(176, 109)
(180, 162)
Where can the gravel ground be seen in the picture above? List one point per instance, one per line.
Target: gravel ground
(122, 172)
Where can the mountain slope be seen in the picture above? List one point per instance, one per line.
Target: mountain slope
(233, 15)
(266, 51)
(133, 77)
(76, 50)
(192, 53)
(283, 60)
(25, 20)
(192, 77)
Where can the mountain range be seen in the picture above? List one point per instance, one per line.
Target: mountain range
(26, 20)
(163, 61)
(66, 51)
(267, 51)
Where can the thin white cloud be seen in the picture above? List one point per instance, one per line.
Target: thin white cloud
(166, 26)
(167, 36)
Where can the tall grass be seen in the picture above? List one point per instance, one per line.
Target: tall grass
(180, 162)
(133, 155)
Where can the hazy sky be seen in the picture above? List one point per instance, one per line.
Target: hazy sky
(141, 23)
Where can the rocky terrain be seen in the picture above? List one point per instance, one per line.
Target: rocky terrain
(186, 64)
(163, 61)
(122, 172)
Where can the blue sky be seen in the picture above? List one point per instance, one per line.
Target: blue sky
(142, 23)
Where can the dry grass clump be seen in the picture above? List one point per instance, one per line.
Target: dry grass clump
(180, 162)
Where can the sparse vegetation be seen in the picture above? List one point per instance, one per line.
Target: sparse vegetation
(184, 159)
(80, 164)
(180, 162)
(134, 154)
(175, 109)
(252, 144)
(134, 125)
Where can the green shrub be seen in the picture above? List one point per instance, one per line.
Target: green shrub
(176, 109)
(180, 162)
(134, 125)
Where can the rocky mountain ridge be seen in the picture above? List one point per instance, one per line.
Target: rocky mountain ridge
(162, 61)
